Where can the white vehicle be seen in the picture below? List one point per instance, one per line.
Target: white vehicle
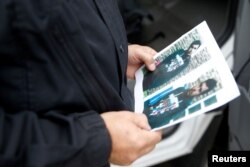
(188, 143)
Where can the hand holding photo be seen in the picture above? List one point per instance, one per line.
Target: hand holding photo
(191, 77)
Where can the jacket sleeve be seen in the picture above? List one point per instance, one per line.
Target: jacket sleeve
(53, 139)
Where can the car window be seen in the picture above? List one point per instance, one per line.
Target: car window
(169, 19)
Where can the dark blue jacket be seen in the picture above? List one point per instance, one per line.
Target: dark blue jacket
(62, 63)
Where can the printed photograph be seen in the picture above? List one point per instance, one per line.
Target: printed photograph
(175, 62)
(173, 104)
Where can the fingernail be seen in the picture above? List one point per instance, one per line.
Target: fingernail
(152, 67)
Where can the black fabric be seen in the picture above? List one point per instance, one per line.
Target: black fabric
(62, 63)
(239, 115)
(239, 112)
(133, 15)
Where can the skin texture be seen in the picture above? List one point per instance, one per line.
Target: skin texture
(130, 135)
(137, 56)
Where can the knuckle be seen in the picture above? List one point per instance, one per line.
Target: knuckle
(143, 117)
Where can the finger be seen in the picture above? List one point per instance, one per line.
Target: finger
(155, 136)
(150, 140)
(141, 121)
(150, 53)
(150, 50)
(148, 59)
(159, 132)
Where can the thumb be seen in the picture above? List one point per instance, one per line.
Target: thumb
(148, 57)
(141, 121)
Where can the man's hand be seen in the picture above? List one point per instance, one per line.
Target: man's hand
(131, 136)
(137, 56)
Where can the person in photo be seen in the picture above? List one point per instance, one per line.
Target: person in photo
(171, 104)
(170, 67)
